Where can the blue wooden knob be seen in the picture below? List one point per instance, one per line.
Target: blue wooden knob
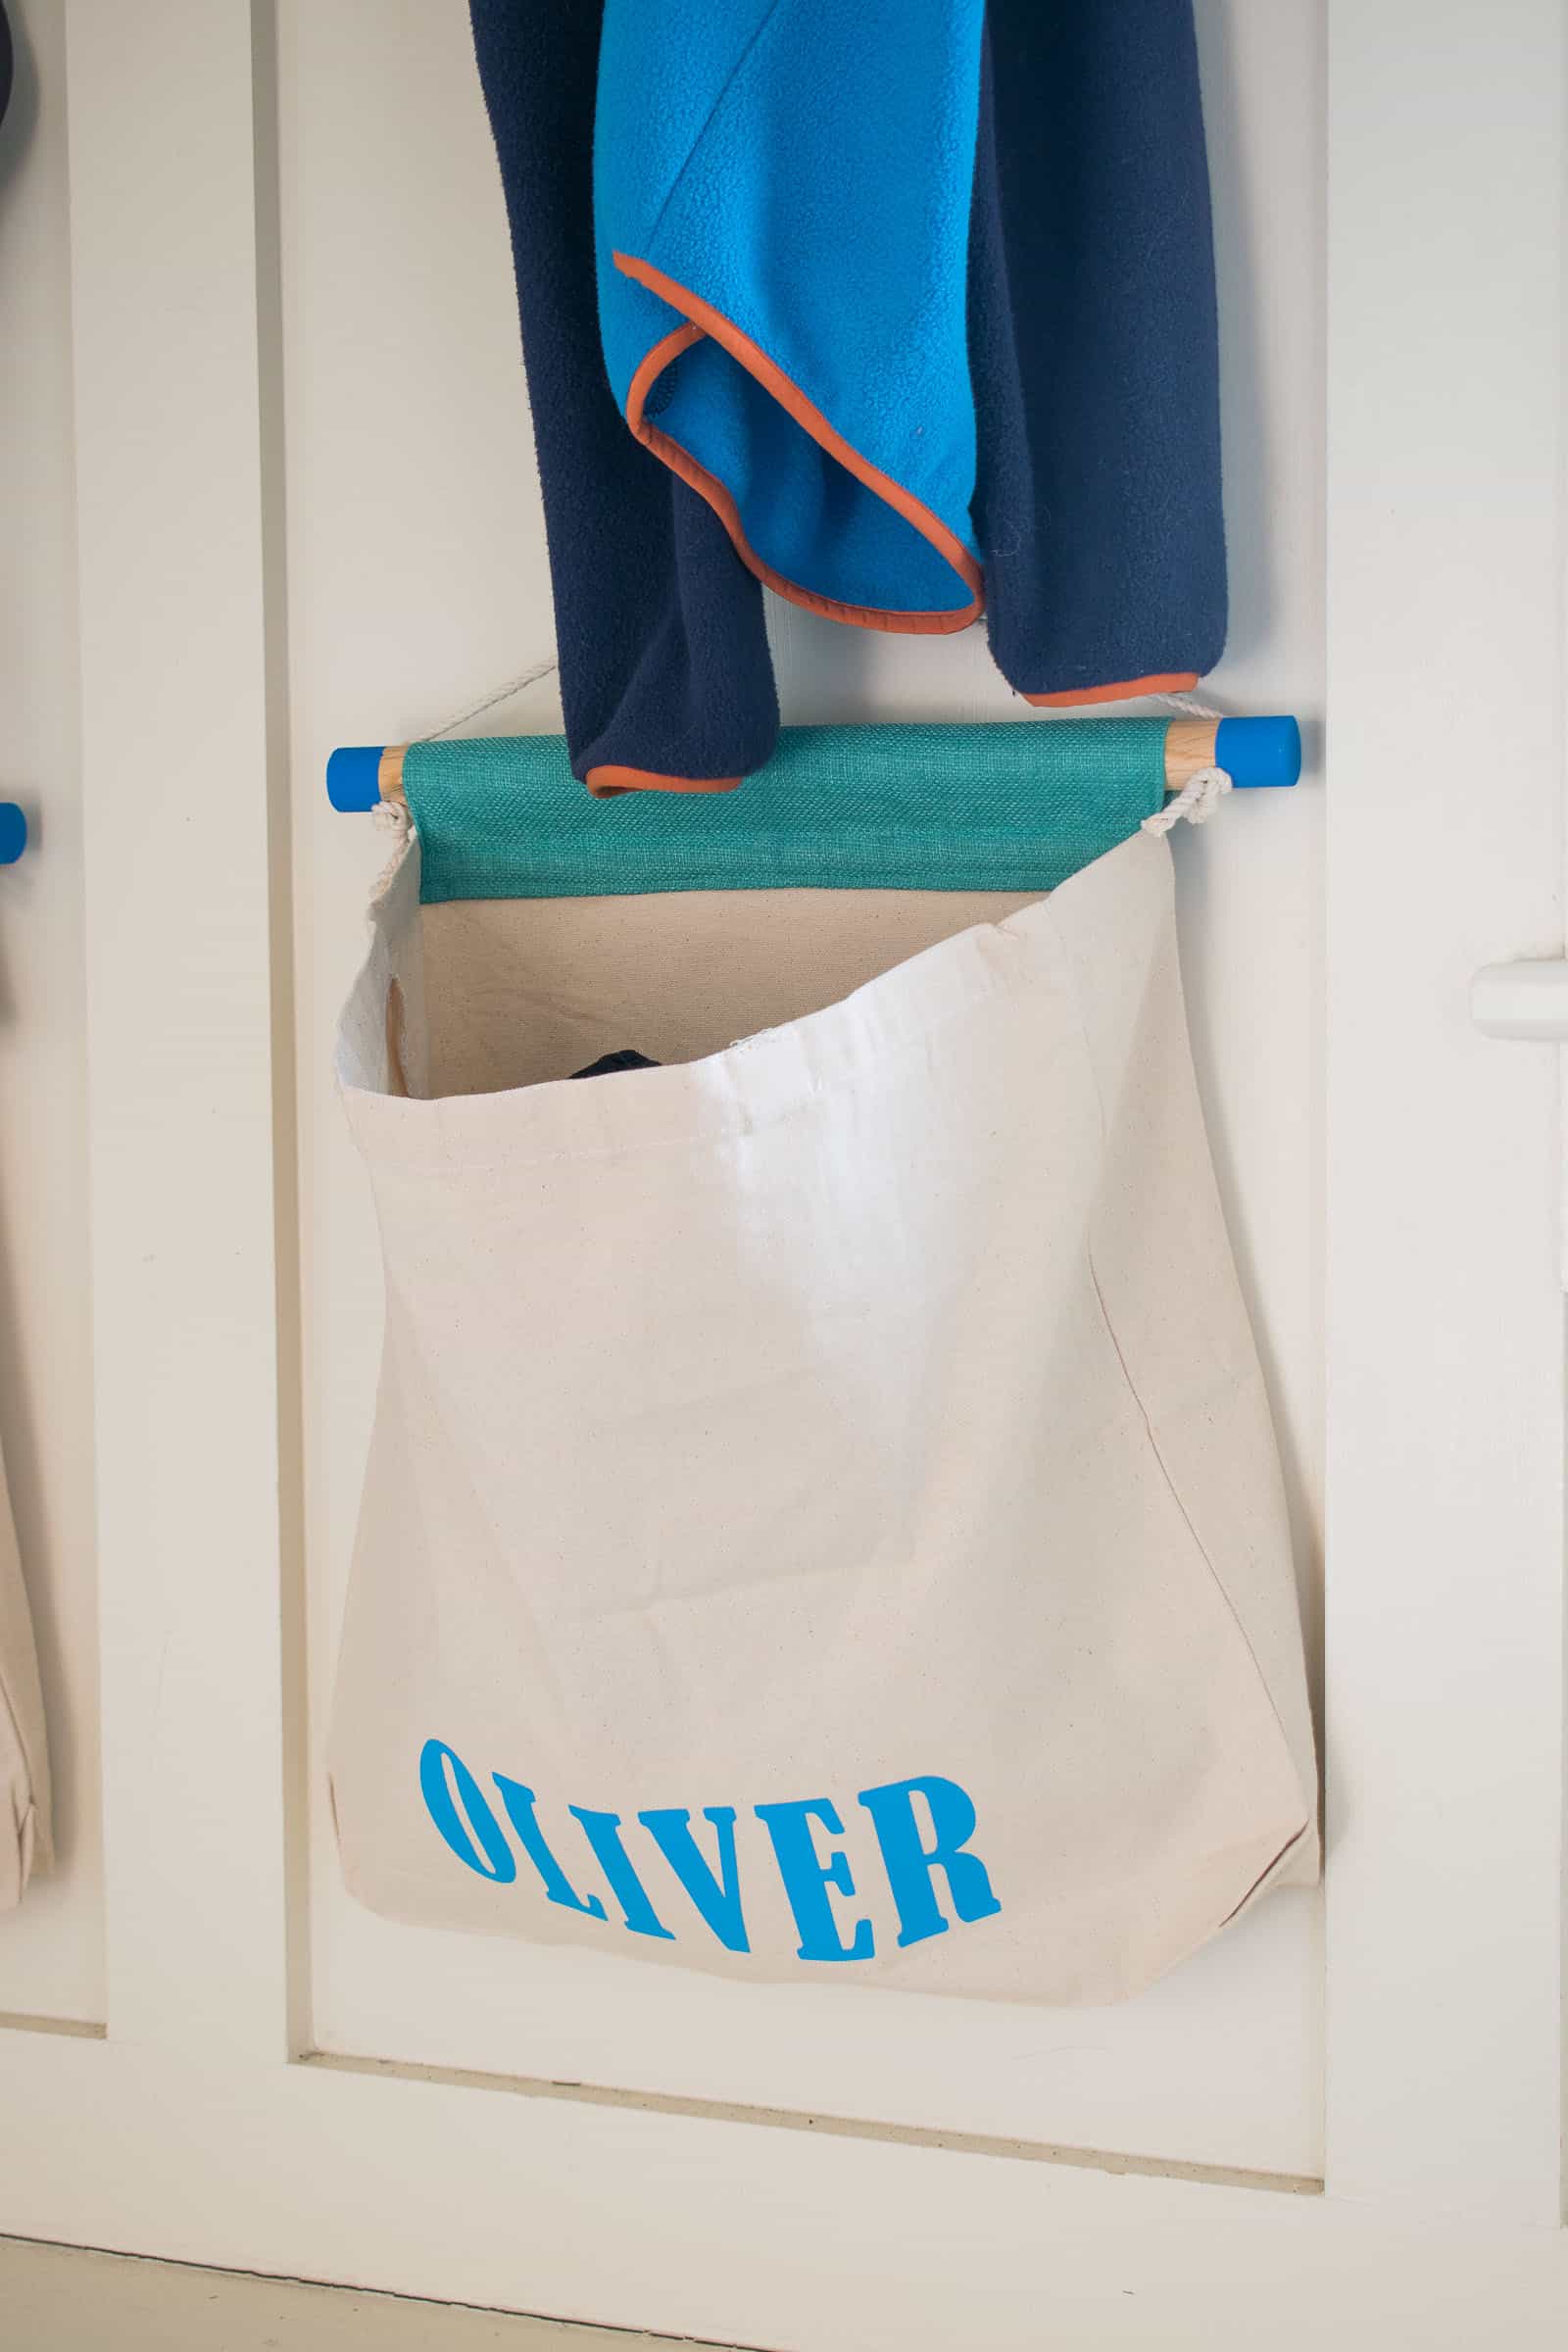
(354, 777)
(1259, 751)
(13, 832)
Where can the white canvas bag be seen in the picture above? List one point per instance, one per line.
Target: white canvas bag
(822, 1520)
(25, 1836)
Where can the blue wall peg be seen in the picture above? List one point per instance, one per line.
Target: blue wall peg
(354, 777)
(1259, 751)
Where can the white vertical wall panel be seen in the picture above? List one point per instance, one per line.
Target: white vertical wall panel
(180, 980)
(1445, 1339)
(51, 1949)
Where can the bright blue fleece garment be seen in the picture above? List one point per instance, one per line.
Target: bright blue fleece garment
(1092, 356)
(783, 192)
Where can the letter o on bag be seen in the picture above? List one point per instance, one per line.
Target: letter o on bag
(441, 1770)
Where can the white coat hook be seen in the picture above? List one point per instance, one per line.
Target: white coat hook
(1527, 1000)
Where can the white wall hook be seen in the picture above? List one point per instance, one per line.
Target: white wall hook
(1527, 1000)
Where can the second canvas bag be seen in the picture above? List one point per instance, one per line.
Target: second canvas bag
(823, 1521)
(25, 1841)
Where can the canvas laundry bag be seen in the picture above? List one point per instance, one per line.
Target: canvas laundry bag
(24, 1839)
(823, 1521)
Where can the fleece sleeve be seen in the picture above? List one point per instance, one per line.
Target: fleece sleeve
(664, 669)
(1093, 347)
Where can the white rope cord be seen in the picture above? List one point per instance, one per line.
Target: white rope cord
(1203, 793)
(392, 820)
(392, 817)
(502, 694)
(1188, 706)
(1197, 801)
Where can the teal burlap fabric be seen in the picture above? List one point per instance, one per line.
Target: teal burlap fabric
(1004, 807)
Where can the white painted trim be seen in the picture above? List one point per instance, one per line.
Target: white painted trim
(707, 2230)
(181, 947)
(940, 2138)
(1444, 1625)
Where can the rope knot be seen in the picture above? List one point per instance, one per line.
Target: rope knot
(1196, 801)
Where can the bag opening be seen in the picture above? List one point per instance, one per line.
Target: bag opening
(519, 992)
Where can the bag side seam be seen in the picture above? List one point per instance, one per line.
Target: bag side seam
(1158, 1450)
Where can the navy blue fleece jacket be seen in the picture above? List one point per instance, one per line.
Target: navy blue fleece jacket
(1082, 375)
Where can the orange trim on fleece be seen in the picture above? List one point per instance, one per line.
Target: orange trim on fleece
(1175, 681)
(608, 783)
(705, 320)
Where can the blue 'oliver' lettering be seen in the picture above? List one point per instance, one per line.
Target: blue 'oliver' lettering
(807, 1878)
(520, 1803)
(716, 1896)
(624, 1884)
(436, 1762)
(909, 1864)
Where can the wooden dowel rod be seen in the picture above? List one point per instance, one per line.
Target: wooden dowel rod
(1189, 750)
(390, 775)
(1253, 751)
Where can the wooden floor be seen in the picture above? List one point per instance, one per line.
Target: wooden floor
(62, 2299)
